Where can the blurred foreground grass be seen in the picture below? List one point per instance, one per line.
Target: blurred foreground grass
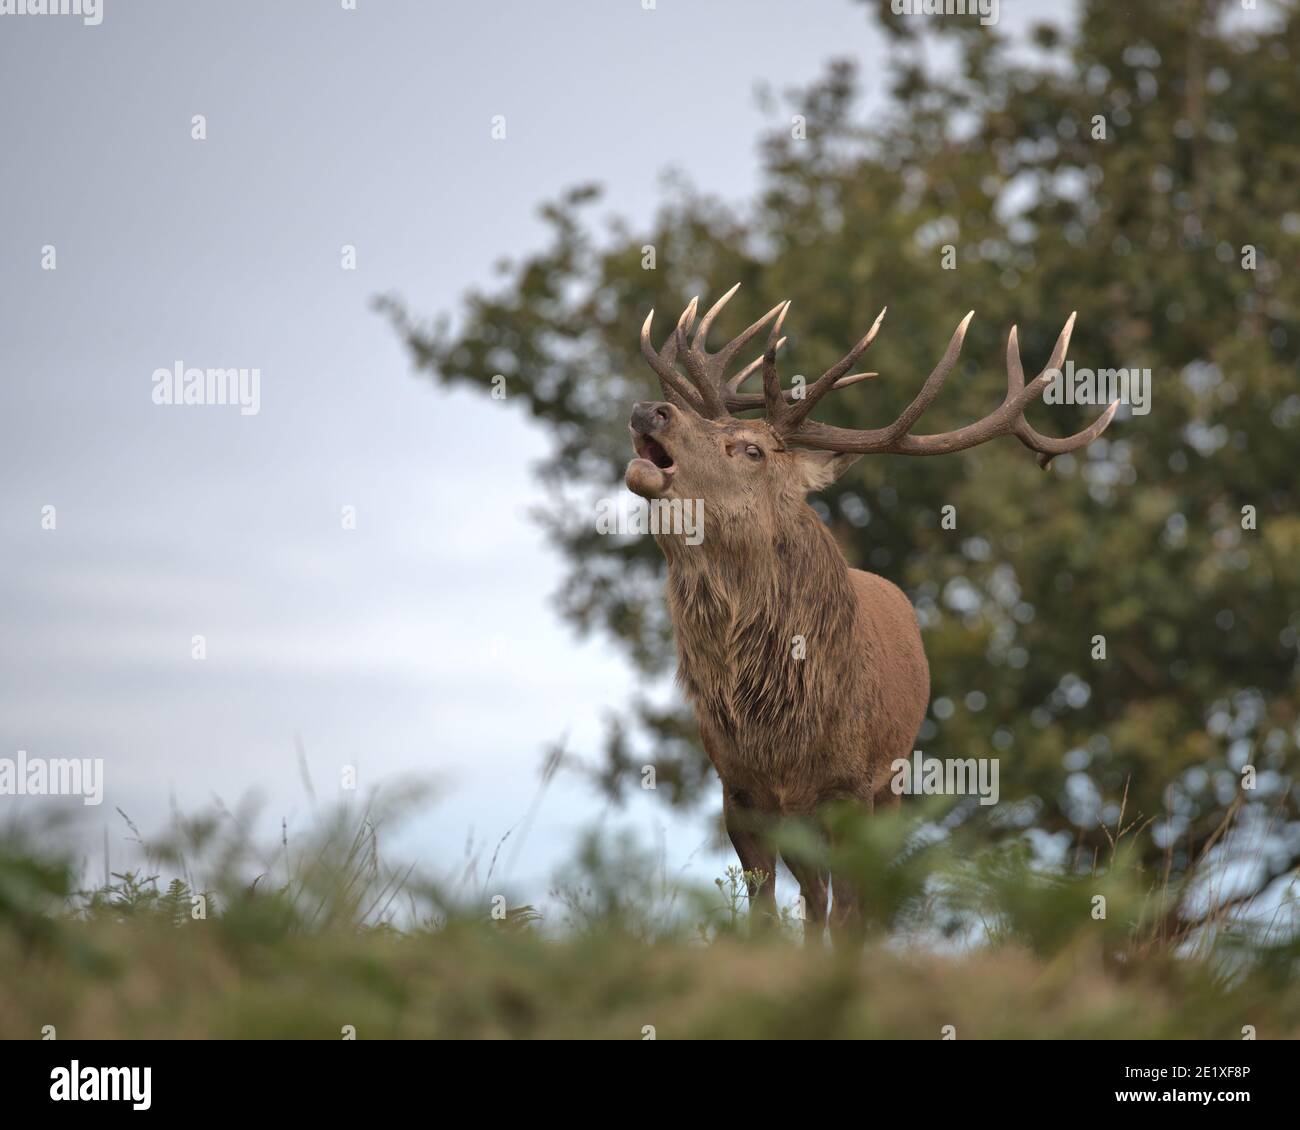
(313, 940)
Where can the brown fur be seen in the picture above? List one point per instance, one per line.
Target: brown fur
(787, 735)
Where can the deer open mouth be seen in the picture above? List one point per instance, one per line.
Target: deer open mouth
(650, 474)
(653, 451)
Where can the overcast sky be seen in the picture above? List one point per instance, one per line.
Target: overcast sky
(423, 640)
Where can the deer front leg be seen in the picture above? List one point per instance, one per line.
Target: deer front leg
(846, 909)
(746, 827)
(846, 925)
(814, 891)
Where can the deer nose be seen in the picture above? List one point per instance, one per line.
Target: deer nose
(648, 416)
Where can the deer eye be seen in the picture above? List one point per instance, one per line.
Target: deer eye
(754, 451)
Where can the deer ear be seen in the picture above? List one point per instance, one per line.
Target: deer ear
(821, 468)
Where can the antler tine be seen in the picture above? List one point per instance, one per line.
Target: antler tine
(1007, 419)
(737, 401)
(683, 327)
(844, 382)
(733, 385)
(697, 361)
(1047, 447)
(740, 401)
(787, 403)
(934, 382)
(707, 371)
(832, 377)
(670, 379)
(772, 398)
(687, 320)
(736, 344)
(702, 334)
(1016, 371)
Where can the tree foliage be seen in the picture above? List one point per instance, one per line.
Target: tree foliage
(1141, 170)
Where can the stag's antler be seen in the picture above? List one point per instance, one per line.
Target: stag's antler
(710, 392)
(714, 396)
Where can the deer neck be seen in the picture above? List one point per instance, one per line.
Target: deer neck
(762, 613)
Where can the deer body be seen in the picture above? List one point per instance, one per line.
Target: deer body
(808, 678)
(804, 692)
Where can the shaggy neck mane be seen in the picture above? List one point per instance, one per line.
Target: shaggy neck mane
(746, 603)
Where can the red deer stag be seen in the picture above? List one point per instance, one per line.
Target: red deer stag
(768, 582)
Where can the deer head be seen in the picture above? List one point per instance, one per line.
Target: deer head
(692, 445)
